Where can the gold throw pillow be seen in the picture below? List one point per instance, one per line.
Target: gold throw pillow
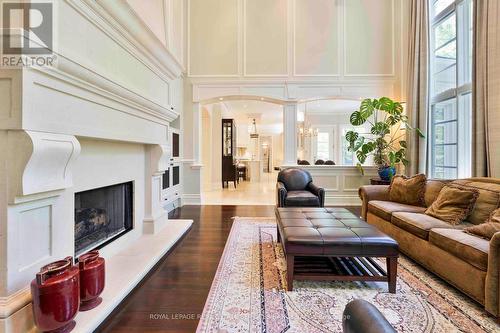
(410, 191)
(487, 229)
(494, 217)
(453, 204)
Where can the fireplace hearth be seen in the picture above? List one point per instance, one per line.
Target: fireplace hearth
(102, 215)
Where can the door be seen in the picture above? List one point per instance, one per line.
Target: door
(324, 143)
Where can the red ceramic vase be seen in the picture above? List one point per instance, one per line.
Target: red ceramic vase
(56, 296)
(91, 279)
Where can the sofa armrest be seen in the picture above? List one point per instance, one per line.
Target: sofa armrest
(492, 290)
(372, 192)
(281, 194)
(318, 191)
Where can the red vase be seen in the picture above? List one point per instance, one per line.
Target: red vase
(56, 296)
(91, 279)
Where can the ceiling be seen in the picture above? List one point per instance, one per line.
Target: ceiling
(246, 110)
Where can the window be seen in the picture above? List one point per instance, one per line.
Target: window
(323, 146)
(450, 88)
(348, 157)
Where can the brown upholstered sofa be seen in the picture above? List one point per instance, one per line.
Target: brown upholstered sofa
(470, 263)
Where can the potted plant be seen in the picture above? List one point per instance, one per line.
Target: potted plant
(387, 147)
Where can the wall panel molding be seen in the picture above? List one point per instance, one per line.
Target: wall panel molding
(238, 49)
(340, 37)
(341, 72)
(393, 47)
(245, 46)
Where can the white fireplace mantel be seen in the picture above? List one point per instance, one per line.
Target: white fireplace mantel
(99, 117)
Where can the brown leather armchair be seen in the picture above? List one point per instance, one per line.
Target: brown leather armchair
(296, 189)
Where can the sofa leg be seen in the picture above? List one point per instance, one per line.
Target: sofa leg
(392, 272)
(289, 271)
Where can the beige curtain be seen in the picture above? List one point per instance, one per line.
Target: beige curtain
(417, 87)
(486, 89)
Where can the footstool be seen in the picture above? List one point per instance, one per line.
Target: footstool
(334, 244)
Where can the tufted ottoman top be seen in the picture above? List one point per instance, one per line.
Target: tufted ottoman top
(331, 231)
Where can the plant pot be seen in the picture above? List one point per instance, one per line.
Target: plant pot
(92, 278)
(56, 296)
(386, 172)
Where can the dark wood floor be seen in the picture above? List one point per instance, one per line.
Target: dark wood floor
(172, 296)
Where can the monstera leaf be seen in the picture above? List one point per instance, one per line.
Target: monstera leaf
(420, 133)
(361, 156)
(357, 118)
(381, 128)
(385, 104)
(366, 108)
(351, 136)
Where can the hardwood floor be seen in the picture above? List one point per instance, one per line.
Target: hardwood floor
(172, 296)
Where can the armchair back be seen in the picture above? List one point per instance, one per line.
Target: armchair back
(294, 179)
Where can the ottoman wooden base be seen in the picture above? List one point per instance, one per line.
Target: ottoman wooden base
(321, 268)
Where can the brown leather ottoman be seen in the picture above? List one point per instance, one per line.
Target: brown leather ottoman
(334, 244)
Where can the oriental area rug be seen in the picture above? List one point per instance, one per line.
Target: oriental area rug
(248, 293)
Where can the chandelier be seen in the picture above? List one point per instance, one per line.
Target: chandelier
(305, 130)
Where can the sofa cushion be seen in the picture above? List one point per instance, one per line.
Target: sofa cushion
(301, 199)
(432, 189)
(409, 191)
(469, 248)
(453, 204)
(420, 224)
(384, 209)
(488, 199)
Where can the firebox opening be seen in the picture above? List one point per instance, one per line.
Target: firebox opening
(102, 215)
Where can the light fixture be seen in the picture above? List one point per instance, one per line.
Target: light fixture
(220, 98)
(254, 134)
(305, 129)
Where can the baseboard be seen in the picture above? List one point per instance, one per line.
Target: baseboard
(191, 199)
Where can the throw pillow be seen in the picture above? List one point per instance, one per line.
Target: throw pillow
(487, 229)
(494, 217)
(453, 204)
(408, 191)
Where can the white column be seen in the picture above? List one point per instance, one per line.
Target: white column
(197, 128)
(290, 134)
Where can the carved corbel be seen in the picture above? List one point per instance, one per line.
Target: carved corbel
(39, 162)
(159, 155)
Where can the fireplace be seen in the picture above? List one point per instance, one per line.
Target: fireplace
(102, 215)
